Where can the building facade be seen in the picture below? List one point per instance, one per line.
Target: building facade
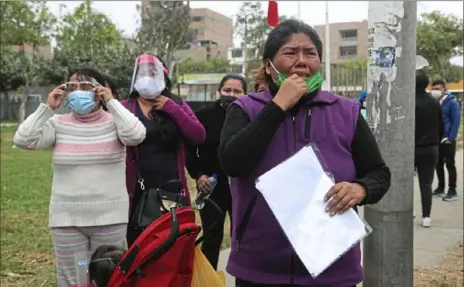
(348, 41)
(237, 60)
(210, 35)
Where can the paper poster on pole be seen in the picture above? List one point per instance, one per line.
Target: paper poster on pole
(383, 31)
(384, 49)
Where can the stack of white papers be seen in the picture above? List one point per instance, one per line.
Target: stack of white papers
(295, 190)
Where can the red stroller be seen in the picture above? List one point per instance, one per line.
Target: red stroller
(163, 255)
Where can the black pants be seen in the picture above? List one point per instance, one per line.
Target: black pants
(243, 283)
(446, 157)
(211, 246)
(425, 161)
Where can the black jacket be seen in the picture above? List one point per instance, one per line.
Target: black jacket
(204, 159)
(429, 120)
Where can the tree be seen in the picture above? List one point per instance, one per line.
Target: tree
(23, 23)
(164, 28)
(439, 38)
(10, 72)
(214, 65)
(31, 67)
(122, 69)
(251, 26)
(87, 37)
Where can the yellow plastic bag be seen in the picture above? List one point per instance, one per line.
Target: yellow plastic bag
(204, 274)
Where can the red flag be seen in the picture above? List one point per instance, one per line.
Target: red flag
(272, 14)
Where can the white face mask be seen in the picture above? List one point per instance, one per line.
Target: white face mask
(149, 88)
(436, 94)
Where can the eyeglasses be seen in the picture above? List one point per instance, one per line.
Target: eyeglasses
(79, 86)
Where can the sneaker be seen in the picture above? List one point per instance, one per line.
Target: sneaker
(450, 196)
(426, 222)
(439, 192)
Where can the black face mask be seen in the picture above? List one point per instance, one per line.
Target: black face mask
(226, 101)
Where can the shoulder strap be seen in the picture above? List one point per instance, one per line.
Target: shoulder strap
(135, 152)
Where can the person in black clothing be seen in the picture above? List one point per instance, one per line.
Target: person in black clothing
(203, 162)
(258, 135)
(170, 125)
(429, 132)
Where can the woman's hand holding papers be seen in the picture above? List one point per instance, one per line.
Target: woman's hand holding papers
(343, 196)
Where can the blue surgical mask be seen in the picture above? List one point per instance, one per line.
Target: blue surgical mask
(82, 102)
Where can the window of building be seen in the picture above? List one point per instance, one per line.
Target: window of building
(349, 34)
(237, 53)
(192, 35)
(200, 32)
(237, 68)
(348, 51)
(198, 18)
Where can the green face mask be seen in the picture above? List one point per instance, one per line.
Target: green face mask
(313, 83)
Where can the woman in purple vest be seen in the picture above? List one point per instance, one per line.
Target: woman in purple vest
(263, 129)
(170, 123)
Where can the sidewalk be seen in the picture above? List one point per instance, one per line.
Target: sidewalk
(430, 244)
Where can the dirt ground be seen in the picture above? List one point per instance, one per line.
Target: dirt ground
(450, 272)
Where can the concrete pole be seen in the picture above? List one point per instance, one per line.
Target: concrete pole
(388, 251)
(245, 50)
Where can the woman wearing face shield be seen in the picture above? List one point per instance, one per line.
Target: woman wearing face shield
(170, 124)
(89, 202)
(263, 129)
(203, 162)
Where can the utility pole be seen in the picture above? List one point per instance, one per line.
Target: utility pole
(327, 47)
(388, 251)
(245, 50)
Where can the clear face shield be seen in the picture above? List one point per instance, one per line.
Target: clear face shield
(148, 77)
(86, 86)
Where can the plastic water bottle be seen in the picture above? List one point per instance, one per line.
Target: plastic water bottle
(199, 202)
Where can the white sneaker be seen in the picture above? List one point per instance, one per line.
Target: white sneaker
(426, 222)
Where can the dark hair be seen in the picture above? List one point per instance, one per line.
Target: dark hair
(422, 81)
(439, 82)
(233, 77)
(279, 36)
(170, 134)
(103, 262)
(111, 83)
(85, 74)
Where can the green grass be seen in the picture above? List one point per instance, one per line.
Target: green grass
(27, 258)
(26, 250)
(3, 121)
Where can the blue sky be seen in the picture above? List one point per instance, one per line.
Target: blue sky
(124, 13)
